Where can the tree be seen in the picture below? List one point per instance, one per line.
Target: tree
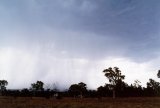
(155, 86)
(104, 91)
(83, 87)
(114, 76)
(136, 84)
(78, 89)
(3, 84)
(74, 90)
(158, 74)
(25, 92)
(38, 86)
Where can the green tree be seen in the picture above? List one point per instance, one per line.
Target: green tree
(38, 86)
(114, 76)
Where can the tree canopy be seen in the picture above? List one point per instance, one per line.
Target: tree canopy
(38, 86)
(114, 76)
(78, 89)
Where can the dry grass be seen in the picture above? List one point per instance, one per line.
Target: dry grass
(20, 102)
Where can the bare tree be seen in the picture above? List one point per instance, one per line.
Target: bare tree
(114, 76)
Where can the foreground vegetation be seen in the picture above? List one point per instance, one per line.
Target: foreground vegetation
(38, 102)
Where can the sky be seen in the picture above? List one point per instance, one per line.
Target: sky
(63, 42)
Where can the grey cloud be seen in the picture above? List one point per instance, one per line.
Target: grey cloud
(118, 26)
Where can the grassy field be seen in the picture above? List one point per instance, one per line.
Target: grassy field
(10, 102)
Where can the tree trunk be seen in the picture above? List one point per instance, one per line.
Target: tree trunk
(81, 96)
(114, 94)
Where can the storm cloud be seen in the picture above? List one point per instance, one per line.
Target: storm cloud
(74, 40)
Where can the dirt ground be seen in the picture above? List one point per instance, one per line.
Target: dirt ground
(37, 102)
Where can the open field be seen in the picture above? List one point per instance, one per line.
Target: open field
(21, 102)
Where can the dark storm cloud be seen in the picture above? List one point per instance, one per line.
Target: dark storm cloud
(104, 27)
(134, 24)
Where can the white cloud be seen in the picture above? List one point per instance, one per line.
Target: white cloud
(21, 67)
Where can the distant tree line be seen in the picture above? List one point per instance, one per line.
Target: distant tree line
(115, 88)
